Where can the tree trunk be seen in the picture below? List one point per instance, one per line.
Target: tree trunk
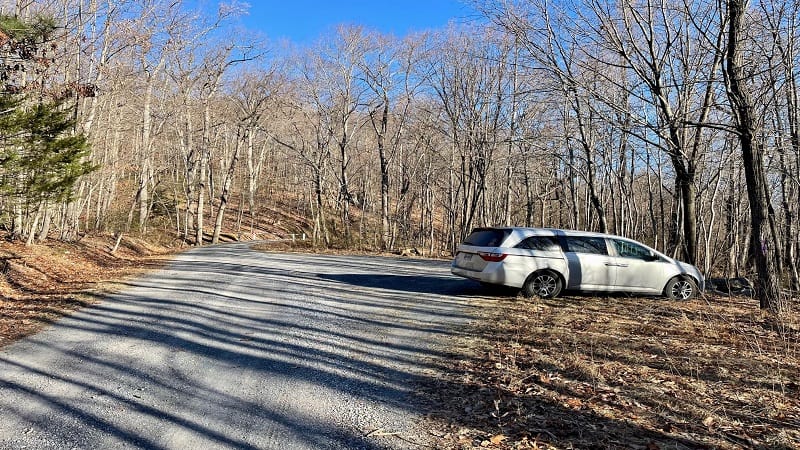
(145, 167)
(253, 171)
(205, 152)
(380, 128)
(321, 224)
(761, 239)
(47, 216)
(192, 169)
(31, 235)
(587, 143)
(226, 186)
(689, 218)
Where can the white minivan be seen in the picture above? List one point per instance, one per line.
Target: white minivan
(544, 261)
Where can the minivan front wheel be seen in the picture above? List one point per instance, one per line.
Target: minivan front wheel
(680, 289)
(543, 284)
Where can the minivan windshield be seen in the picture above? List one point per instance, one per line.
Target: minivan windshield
(487, 237)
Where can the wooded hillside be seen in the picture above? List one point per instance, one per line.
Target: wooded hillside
(674, 124)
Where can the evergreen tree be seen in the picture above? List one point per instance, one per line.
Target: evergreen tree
(41, 157)
(52, 158)
(9, 131)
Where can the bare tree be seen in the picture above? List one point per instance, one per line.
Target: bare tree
(783, 26)
(253, 95)
(388, 69)
(150, 41)
(472, 90)
(745, 121)
(308, 135)
(341, 93)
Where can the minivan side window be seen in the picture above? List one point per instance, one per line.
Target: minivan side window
(487, 237)
(586, 244)
(542, 243)
(627, 249)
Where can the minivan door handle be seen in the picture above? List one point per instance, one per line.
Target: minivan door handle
(611, 264)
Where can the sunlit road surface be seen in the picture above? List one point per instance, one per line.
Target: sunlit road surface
(228, 347)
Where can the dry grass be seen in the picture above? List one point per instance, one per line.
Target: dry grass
(622, 372)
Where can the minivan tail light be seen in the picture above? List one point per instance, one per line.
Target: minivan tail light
(492, 257)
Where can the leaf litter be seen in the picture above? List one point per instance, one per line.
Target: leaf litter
(41, 283)
(621, 372)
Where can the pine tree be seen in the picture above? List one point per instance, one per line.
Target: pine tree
(53, 158)
(9, 131)
(41, 156)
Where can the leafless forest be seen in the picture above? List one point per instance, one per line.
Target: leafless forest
(674, 123)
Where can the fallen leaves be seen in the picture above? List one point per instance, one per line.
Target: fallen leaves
(40, 283)
(494, 440)
(574, 403)
(621, 372)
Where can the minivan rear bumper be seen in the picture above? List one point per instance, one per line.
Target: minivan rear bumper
(485, 276)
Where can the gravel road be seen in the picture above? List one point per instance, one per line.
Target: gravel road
(228, 347)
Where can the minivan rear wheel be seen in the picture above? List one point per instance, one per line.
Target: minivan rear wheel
(544, 284)
(680, 289)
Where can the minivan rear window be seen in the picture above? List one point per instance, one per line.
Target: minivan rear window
(542, 243)
(487, 237)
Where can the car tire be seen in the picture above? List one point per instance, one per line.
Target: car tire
(544, 284)
(680, 288)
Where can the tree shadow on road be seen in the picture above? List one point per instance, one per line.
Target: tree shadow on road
(274, 323)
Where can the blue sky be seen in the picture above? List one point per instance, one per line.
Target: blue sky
(303, 21)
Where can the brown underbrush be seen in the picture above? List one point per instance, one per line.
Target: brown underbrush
(623, 372)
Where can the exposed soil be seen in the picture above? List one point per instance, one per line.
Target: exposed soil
(623, 372)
